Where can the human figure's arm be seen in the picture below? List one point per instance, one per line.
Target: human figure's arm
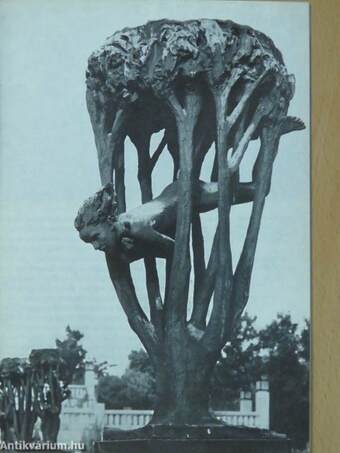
(151, 238)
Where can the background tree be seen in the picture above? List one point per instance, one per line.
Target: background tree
(239, 366)
(281, 352)
(286, 363)
(111, 392)
(202, 82)
(72, 355)
(135, 389)
(101, 369)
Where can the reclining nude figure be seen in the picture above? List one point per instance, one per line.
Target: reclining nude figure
(148, 230)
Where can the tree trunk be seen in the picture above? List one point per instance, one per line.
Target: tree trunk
(50, 424)
(182, 384)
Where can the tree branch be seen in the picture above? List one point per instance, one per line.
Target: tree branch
(204, 136)
(223, 282)
(173, 148)
(107, 138)
(235, 155)
(249, 91)
(154, 295)
(203, 295)
(122, 281)
(100, 116)
(119, 179)
(198, 252)
(142, 142)
(223, 92)
(115, 156)
(220, 263)
(269, 144)
(177, 294)
(176, 107)
(158, 152)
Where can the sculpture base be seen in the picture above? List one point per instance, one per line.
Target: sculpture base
(194, 446)
(193, 439)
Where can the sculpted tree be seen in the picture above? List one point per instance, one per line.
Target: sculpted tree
(30, 389)
(49, 390)
(17, 414)
(54, 370)
(36, 388)
(203, 83)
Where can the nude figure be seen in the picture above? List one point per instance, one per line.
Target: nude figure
(148, 230)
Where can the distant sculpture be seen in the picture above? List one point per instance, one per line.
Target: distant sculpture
(204, 83)
(31, 389)
(34, 389)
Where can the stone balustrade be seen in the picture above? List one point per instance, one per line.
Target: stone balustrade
(83, 417)
(126, 419)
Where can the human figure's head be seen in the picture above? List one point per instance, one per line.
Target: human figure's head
(95, 219)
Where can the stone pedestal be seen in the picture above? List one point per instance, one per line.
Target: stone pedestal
(194, 446)
(193, 439)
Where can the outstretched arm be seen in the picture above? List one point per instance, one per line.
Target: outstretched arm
(154, 241)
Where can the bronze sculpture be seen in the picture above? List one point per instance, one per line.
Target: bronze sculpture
(203, 82)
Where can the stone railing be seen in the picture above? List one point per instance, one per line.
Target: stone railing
(131, 419)
(84, 419)
(126, 419)
(235, 418)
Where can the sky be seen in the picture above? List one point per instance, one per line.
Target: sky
(49, 278)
